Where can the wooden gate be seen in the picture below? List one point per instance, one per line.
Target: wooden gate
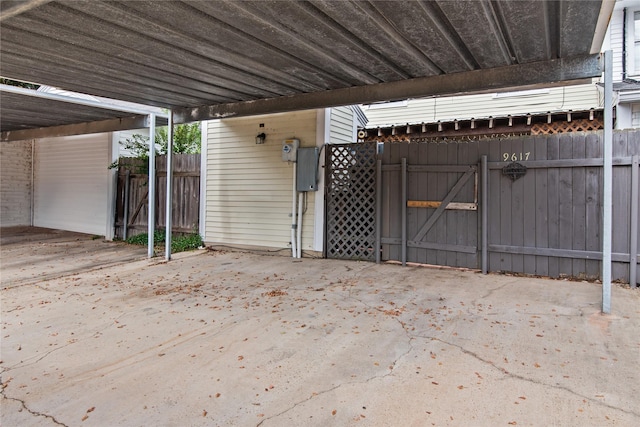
(430, 205)
(133, 193)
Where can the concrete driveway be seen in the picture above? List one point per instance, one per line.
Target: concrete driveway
(33, 254)
(219, 339)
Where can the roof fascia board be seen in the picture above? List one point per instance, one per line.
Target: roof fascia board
(109, 125)
(79, 101)
(628, 96)
(530, 75)
(606, 10)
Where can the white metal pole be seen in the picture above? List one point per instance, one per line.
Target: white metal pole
(169, 204)
(633, 244)
(607, 182)
(151, 218)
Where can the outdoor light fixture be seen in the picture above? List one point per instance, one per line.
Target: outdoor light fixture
(260, 138)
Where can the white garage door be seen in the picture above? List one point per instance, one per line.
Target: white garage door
(71, 183)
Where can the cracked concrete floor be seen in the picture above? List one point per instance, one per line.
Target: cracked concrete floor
(220, 339)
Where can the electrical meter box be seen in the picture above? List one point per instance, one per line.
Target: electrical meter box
(290, 149)
(307, 170)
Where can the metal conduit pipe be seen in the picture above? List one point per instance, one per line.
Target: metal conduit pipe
(294, 251)
(299, 229)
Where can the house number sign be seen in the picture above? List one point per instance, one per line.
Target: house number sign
(515, 157)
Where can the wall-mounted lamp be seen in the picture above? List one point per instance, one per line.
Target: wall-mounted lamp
(260, 138)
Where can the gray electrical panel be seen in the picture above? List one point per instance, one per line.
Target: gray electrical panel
(307, 169)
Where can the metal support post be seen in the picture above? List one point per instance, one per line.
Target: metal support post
(633, 246)
(169, 204)
(404, 211)
(151, 217)
(484, 202)
(607, 154)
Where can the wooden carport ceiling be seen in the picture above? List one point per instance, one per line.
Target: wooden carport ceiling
(209, 59)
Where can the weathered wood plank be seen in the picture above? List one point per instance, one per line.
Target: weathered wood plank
(384, 214)
(557, 253)
(517, 207)
(579, 205)
(421, 190)
(432, 204)
(541, 207)
(494, 203)
(443, 189)
(396, 153)
(473, 260)
(453, 167)
(563, 163)
(621, 220)
(593, 218)
(505, 210)
(565, 204)
(431, 194)
(553, 152)
(444, 247)
(413, 178)
(433, 245)
(461, 216)
(453, 217)
(483, 150)
(529, 207)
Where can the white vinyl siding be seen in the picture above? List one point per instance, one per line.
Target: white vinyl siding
(248, 187)
(342, 125)
(72, 183)
(635, 115)
(120, 138)
(636, 42)
(616, 38)
(447, 108)
(15, 183)
(614, 42)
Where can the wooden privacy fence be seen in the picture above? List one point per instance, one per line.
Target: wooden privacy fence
(547, 221)
(133, 192)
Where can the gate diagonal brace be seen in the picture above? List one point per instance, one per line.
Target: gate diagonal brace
(443, 206)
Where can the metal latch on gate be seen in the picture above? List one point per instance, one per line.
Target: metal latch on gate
(514, 170)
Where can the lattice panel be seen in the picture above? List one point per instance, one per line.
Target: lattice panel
(581, 125)
(351, 201)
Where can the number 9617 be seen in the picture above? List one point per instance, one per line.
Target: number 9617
(514, 157)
